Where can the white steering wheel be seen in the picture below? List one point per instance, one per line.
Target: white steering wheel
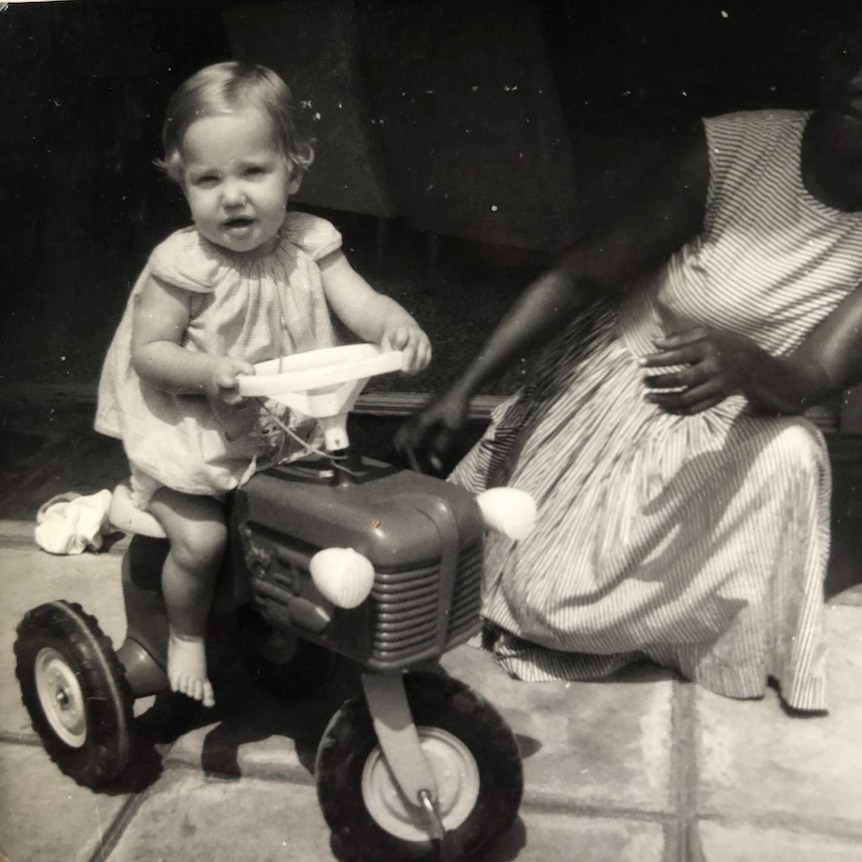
(323, 383)
(318, 369)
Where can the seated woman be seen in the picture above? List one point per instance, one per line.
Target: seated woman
(683, 501)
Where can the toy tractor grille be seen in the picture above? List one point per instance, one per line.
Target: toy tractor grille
(414, 615)
(466, 595)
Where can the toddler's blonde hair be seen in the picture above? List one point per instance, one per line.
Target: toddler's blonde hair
(225, 88)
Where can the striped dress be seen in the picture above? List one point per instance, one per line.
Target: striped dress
(699, 542)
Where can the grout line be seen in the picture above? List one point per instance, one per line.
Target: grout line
(550, 804)
(558, 804)
(684, 845)
(674, 838)
(835, 827)
(111, 836)
(673, 845)
(20, 738)
(294, 776)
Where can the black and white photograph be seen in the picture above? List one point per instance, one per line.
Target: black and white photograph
(430, 430)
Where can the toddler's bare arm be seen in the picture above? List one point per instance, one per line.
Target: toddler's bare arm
(371, 315)
(160, 323)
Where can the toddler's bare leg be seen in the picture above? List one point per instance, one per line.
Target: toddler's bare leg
(195, 526)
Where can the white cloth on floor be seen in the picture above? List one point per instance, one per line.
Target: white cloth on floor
(71, 523)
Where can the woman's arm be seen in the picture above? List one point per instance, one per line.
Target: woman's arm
(160, 322)
(663, 212)
(829, 360)
(371, 315)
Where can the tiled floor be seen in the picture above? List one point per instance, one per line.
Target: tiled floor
(641, 768)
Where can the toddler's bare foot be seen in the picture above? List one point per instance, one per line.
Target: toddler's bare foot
(187, 668)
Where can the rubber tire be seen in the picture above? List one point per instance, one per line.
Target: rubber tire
(435, 701)
(107, 698)
(306, 672)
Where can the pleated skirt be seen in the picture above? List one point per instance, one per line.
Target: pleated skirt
(699, 542)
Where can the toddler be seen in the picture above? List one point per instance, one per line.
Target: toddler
(248, 281)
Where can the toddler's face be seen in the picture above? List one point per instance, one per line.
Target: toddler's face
(236, 180)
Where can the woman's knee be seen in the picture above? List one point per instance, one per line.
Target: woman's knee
(795, 452)
(800, 444)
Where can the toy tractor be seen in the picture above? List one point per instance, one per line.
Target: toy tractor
(332, 554)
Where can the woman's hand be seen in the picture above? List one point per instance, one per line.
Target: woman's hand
(717, 365)
(432, 429)
(413, 341)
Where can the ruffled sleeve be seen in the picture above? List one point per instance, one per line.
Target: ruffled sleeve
(314, 235)
(187, 261)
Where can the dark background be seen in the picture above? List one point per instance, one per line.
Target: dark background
(83, 86)
(431, 113)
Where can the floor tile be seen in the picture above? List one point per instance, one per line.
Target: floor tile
(45, 816)
(756, 759)
(743, 843)
(602, 742)
(184, 816)
(547, 837)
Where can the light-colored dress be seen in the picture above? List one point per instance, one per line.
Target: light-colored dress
(248, 308)
(699, 542)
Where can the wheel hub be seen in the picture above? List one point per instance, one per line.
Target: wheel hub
(60, 697)
(457, 776)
